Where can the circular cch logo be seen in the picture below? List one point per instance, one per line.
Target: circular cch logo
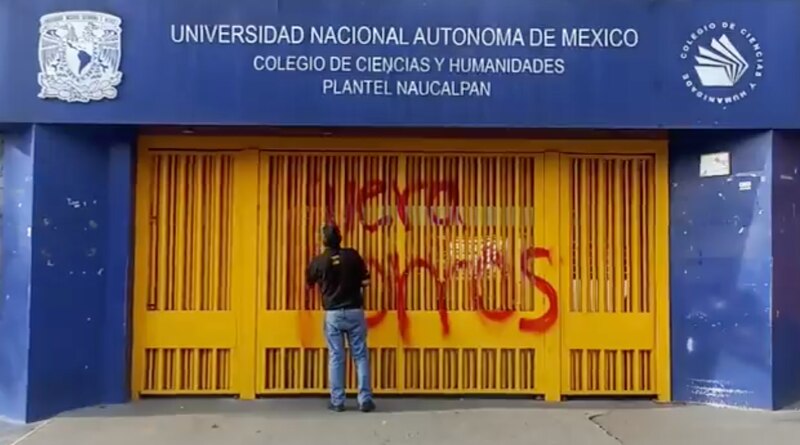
(724, 63)
(79, 56)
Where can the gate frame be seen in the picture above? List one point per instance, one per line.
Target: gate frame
(245, 220)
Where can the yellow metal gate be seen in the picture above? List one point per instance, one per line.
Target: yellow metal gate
(498, 267)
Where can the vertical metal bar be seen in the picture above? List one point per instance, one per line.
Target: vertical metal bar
(192, 362)
(220, 235)
(560, 170)
(534, 180)
(440, 230)
(400, 246)
(627, 227)
(652, 261)
(636, 363)
(602, 239)
(429, 163)
(499, 254)
(224, 240)
(171, 212)
(228, 228)
(213, 365)
(423, 297)
(367, 205)
(201, 238)
(343, 163)
(575, 224)
(214, 240)
(323, 203)
(377, 292)
(273, 300)
(204, 271)
(278, 251)
(163, 232)
(226, 189)
(584, 375)
(465, 171)
(188, 265)
(481, 191)
(646, 230)
(420, 234)
(591, 231)
(636, 236)
(517, 244)
(292, 242)
(283, 217)
(461, 243)
(364, 206)
(196, 234)
(584, 235)
(266, 252)
(619, 231)
(388, 244)
(487, 234)
(301, 193)
(497, 227)
(152, 166)
(308, 225)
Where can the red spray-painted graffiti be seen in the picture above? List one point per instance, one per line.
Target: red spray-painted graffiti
(356, 200)
(534, 325)
(440, 201)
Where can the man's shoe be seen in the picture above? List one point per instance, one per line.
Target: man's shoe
(336, 408)
(367, 407)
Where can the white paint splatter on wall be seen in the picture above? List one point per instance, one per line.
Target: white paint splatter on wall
(715, 392)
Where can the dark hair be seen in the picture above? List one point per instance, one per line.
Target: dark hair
(331, 237)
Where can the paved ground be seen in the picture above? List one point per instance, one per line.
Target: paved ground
(11, 433)
(185, 422)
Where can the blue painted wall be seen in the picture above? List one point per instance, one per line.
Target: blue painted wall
(78, 265)
(64, 339)
(16, 262)
(786, 278)
(721, 270)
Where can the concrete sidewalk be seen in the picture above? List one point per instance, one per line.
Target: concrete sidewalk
(410, 421)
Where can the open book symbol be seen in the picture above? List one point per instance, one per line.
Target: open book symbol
(720, 66)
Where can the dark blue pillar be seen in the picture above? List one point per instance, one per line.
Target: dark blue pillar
(721, 270)
(72, 316)
(786, 275)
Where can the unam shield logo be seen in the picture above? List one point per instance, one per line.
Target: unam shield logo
(725, 63)
(79, 56)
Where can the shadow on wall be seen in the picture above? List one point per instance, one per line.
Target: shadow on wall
(786, 275)
(2, 201)
(721, 270)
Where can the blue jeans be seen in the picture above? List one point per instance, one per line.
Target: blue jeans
(351, 323)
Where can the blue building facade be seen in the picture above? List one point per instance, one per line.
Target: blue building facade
(80, 80)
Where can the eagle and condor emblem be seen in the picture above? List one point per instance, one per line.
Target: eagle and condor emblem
(79, 56)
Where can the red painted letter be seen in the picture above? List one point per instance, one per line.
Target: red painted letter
(548, 319)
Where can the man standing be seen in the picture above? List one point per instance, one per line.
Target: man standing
(341, 275)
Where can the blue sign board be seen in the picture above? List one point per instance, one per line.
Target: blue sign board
(428, 63)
